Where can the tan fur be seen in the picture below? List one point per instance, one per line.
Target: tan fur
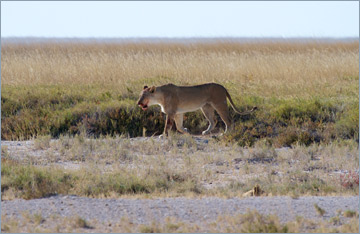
(177, 100)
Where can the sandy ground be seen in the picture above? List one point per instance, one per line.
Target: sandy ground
(199, 211)
(186, 209)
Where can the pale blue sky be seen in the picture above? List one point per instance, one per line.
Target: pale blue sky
(180, 19)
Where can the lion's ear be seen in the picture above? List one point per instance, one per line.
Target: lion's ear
(152, 89)
(145, 87)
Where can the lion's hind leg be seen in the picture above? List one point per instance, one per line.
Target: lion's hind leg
(209, 113)
(223, 110)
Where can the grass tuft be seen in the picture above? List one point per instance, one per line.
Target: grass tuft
(350, 214)
(319, 210)
(81, 223)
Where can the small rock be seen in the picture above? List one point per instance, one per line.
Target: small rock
(219, 163)
(237, 160)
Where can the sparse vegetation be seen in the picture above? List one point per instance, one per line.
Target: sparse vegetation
(38, 219)
(306, 92)
(178, 166)
(350, 214)
(335, 220)
(42, 142)
(350, 180)
(29, 182)
(319, 210)
(81, 223)
(252, 221)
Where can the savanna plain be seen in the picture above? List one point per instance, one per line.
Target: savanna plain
(73, 137)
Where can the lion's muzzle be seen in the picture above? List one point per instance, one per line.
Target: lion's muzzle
(143, 106)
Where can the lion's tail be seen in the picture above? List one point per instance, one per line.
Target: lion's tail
(235, 109)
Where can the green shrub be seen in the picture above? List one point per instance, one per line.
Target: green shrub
(30, 182)
(303, 110)
(347, 127)
(55, 110)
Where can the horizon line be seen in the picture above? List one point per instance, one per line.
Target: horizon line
(32, 39)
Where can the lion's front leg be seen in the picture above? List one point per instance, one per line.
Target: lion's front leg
(168, 124)
(179, 118)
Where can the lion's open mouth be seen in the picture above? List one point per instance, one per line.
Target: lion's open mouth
(143, 106)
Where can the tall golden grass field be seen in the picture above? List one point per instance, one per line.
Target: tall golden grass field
(107, 72)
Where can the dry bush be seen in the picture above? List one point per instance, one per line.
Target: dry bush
(350, 214)
(350, 180)
(42, 142)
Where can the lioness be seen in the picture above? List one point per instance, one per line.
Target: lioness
(177, 100)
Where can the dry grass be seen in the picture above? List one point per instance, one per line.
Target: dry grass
(319, 210)
(265, 68)
(306, 90)
(178, 166)
(350, 214)
(252, 221)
